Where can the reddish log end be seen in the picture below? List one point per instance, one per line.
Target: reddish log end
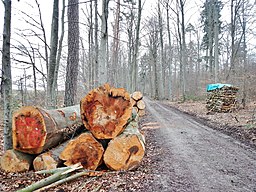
(29, 130)
(105, 111)
(35, 130)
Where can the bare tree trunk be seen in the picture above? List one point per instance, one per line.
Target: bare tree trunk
(103, 43)
(135, 56)
(53, 54)
(56, 71)
(169, 52)
(130, 48)
(216, 42)
(182, 44)
(115, 49)
(91, 68)
(44, 36)
(160, 67)
(73, 53)
(232, 28)
(7, 76)
(244, 97)
(96, 47)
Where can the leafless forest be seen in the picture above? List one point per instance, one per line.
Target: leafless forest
(167, 49)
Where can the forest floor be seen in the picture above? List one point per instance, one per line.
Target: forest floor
(184, 152)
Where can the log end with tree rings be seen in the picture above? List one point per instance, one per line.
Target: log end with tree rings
(29, 132)
(15, 161)
(44, 162)
(84, 149)
(105, 111)
(124, 152)
(137, 95)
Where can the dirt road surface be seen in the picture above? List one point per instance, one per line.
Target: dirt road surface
(194, 157)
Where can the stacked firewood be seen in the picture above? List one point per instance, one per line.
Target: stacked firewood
(138, 103)
(222, 100)
(103, 128)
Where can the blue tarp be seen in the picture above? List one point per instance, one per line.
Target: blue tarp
(211, 87)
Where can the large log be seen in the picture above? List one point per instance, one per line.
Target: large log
(126, 151)
(84, 149)
(105, 111)
(16, 161)
(50, 159)
(36, 129)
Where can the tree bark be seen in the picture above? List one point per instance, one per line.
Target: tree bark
(73, 53)
(36, 129)
(7, 76)
(84, 149)
(105, 111)
(134, 79)
(15, 161)
(103, 58)
(126, 151)
(216, 42)
(51, 92)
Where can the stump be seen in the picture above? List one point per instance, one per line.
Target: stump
(36, 129)
(105, 111)
(16, 161)
(84, 149)
(126, 151)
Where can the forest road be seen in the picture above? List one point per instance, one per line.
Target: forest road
(194, 157)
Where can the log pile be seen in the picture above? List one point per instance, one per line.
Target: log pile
(138, 103)
(110, 134)
(222, 100)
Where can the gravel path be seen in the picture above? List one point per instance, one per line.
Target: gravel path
(198, 158)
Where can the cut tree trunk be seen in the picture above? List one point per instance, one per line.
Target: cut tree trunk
(133, 102)
(46, 161)
(16, 161)
(105, 111)
(141, 104)
(126, 151)
(50, 159)
(36, 129)
(84, 149)
(137, 95)
(141, 113)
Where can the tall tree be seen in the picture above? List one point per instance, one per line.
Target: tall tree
(209, 16)
(182, 43)
(236, 33)
(103, 56)
(96, 46)
(134, 79)
(7, 76)
(51, 92)
(170, 52)
(56, 71)
(115, 47)
(73, 53)
(216, 41)
(161, 63)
